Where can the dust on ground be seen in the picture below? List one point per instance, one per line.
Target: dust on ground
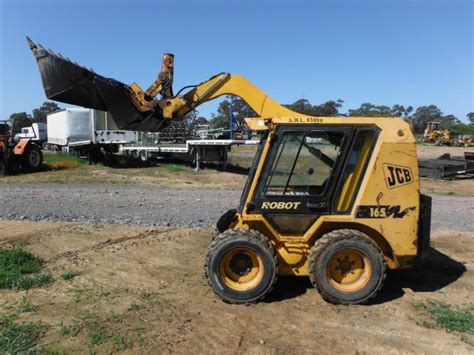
(146, 285)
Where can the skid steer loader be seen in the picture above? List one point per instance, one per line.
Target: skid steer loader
(333, 198)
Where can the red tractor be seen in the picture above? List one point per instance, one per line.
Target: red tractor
(23, 153)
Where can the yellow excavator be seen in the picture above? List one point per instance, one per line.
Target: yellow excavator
(333, 198)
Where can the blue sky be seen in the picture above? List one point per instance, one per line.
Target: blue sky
(385, 52)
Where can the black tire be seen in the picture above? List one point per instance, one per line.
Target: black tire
(32, 158)
(346, 267)
(228, 259)
(3, 167)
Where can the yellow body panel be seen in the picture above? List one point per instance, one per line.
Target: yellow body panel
(396, 150)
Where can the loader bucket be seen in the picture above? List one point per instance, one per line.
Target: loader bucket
(72, 83)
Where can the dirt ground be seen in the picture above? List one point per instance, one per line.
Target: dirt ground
(146, 285)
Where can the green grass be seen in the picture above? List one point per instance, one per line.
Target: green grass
(98, 336)
(453, 319)
(121, 342)
(26, 305)
(173, 168)
(20, 260)
(63, 159)
(459, 319)
(18, 338)
(72, 329)
(69, 275)
(19, 270)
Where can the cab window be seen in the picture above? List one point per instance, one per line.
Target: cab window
(303, 163)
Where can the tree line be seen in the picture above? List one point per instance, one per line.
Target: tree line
(240, 110)
(419, 116)
(19, 120)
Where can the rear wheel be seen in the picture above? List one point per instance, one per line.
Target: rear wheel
(346, 267)
(32, 158)
(241, 266)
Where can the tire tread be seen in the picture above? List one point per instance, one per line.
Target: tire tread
(246, 233)
(336, 235)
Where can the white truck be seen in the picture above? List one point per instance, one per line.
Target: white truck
(80, 129)
(93, 133)
(37, 132)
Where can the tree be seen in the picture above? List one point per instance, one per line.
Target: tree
(201, 120)
(39, 114)
(240, 111)
(470, 116)
(328, 108)
(19, 120)
(370, 110)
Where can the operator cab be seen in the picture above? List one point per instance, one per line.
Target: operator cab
(308, 172)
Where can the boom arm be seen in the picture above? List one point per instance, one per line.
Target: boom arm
(229, 84)
(135, 109)
(177, 107)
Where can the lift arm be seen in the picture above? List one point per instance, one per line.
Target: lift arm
(226, 84)
(135, 109)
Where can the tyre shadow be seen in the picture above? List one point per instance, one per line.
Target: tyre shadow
(288, 287)
(437, 271)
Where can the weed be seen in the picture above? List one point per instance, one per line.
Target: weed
(172, 168)
(98, 336)
(18, 260)
(26, 305)
(460, 319)
(69, 275)
(121, 342)
(18, 338)
(71, 330)
(453, 319)
(53, 351)
(16, 265)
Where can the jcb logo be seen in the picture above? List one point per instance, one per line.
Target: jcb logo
(280, 205)
(396, 175)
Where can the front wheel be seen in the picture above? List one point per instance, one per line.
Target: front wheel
(241, 266)
(346, 267)
(32, 158)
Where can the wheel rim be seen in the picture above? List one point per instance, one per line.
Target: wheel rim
(34, 158)
(241, 269)
(349, 270)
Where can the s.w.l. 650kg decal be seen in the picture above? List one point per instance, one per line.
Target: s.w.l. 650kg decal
(382, 211)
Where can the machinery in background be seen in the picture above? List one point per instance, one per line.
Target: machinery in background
(16, 154)
(464, 140)
(433, 134)
(37, 132)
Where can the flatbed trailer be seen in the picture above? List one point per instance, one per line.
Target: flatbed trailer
(194, 151)
(447, 167)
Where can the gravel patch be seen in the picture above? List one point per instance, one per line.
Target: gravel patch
(164, 207)
(116, 204)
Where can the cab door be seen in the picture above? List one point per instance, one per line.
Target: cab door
(299, 176)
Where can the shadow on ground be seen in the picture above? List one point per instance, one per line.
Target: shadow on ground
(437, 271)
